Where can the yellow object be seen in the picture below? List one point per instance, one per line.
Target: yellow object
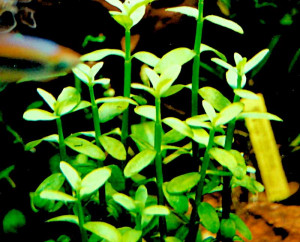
(266, 151)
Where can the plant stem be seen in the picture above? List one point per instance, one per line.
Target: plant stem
(196, 61)
(83, 233)
(95, 118)
(61, 140)
(158, 166)
(194, 225)
(127, 83)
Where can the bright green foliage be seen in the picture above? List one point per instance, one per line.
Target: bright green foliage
(104, 230)
(241, 226)
(4, 174)
(228, 228)
(13, 221)
(183, 183)
(209, 217)
(179, 202)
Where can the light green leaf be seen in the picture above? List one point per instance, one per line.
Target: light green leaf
(71, 174)
(146, 111)
(179, 202)
(122, 19)
(139, 162)
(204, 47)
(48, 97)
(82, 105)
(248, 182)
(93, 180)
(222, 63)
(125, 201)
(178, 56)
(141, 195)
(245, 94)
(172, 239)
(209, 110)
(183, 183)
(113, 147)
(209, 217)
(85, 147)
(57, 195)
(143, 87)
(179, 126)
(102, 81)
(131, 235)
(143, 135)
(104, 230)
(96, 68)
(159, 210)
(224, 157)
(146, 57)
(108, 111)
(237, 58)
(241, 226)
(38, 115)
(189, 11)
(116, 100)
(232, 79)
(199, 121)
(201, 136)
(167, 78)
(228, 113)
(68, 99)
(137, 15)
(214, 97)
(49, 138)
(118, 4)
(100, 54)
(81, 75)
(173, 90)
(255, 60)
(259, 115)
(65, 218)
(153, 77)
(225, 23)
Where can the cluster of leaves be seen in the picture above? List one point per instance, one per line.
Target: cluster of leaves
(122, 188)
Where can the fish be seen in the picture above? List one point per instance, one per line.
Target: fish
(28, 58)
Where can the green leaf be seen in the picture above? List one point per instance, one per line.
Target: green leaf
(225, 23)
(68, 99)
(116, 100)
(183, 183)
(139, 162)
(153, 76)
(146, 57)
(249, 183)
(209, 217)
(179, 126)
(113, 147)
(172, 239)
(57, 195)
(199, 121)
(141, 195)
(201, 136)
(108, 111)
(116, 178)
(100, 54)
(209, 110)
(83, 76)
(95, 179)
(189, 11)
(125, 201)
(222, 63)
(228, 113)
(85, 147)
(118, 4)
(167, 78)
(137, 15)
(132, 235)
(13, 221)
(49, 138)
(232, 79)
(214, 97)
(96, 68)
(82, 105)
(259, 115)
(224, 157)
(71, 174)
(140, 86)
(52, 182)
(38, 115)
(179, 202)
(48, 97)
(178, 56)
(255, 60)
(104, 230)
(228, 228)
(65, 218)
(143, 135)
(172, 136)
(245, 94)
(146, 111)
(159, 210)
(241, 169)
(122, 19)
(173, 90)
(204, 47)
(241, 226)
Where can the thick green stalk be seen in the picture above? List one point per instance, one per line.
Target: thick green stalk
(158, 166)
(194, 225)
(84, 237)
(61, 140)
(127, 84)
(196, 61)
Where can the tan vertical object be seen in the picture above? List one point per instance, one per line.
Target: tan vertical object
(266, 151)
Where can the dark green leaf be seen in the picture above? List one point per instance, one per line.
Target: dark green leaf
(241, 226)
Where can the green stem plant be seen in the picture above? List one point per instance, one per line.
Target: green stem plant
(61, 140)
